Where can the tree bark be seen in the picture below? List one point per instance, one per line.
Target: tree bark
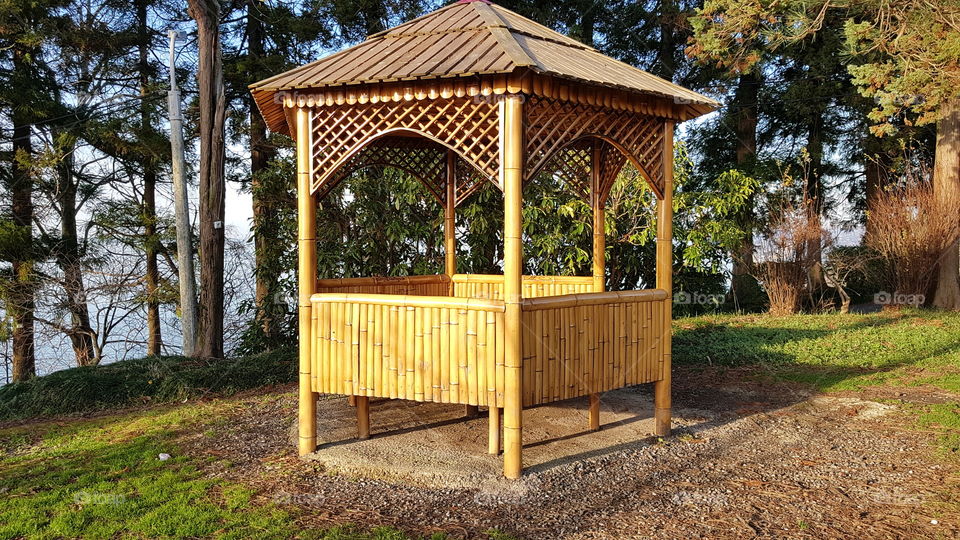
(264, 210)
(147, 164)
(946, 184)
(745, 113)
(21, 297)
(211, 178)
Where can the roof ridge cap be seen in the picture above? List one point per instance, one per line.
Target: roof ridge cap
(500, 31)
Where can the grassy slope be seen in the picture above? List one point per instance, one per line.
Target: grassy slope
(831, 352)
(101, 477)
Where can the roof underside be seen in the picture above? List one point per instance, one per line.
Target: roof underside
(465, 39)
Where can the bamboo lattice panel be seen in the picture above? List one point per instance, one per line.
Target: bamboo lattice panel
(420, 157)
(551, 125)
(573, 164)
(469, 127)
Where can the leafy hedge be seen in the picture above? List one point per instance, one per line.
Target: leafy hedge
(143, 380)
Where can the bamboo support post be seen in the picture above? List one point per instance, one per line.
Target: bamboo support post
(363, 417)
(661, 388)
(449, 219)
(599, 254)
(306, 281)
(511, 148)
(493, 438)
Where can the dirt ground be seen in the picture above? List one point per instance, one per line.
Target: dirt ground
(746, 460)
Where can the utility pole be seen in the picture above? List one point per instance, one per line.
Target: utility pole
(188, 294)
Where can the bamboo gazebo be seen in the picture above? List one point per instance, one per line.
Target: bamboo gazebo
(468, 94)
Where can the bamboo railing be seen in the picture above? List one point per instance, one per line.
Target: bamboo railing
(490, 286)
(451, 350)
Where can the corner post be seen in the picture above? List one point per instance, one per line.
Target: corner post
(599, 257)
(661, 389)
(307, 282)
(511, 177)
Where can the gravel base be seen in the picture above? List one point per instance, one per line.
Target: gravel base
(748, 460)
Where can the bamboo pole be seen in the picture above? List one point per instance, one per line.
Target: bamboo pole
(511, 148)
(661, 388)
(307, 276)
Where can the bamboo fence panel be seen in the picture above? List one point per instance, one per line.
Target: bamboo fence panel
(575, 345)
(420, 348)
(432, 285)
(490, 286)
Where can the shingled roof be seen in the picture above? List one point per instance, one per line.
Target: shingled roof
(470, 37)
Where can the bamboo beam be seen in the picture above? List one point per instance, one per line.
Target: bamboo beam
(599, 253)
(661, 388)
(511, 162)
(306, 281)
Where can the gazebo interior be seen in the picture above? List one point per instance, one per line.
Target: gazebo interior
(469, 94)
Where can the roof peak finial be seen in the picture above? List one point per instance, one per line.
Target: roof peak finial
(472, 1)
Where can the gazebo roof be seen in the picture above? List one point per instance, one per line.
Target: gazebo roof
(468, 38)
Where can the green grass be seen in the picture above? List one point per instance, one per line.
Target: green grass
(141, 381)
(830, 352)
(102, 478)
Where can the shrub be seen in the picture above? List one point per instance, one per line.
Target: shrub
(912, 228)
(789, 247)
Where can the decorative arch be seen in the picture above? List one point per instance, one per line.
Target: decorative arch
(557, 131)
(340, 132)
(416, 154)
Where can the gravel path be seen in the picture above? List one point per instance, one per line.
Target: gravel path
(749, 460)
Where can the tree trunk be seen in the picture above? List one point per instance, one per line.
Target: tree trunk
(745, 120)
(211, 178)
(666, 65)
(876, 164)
(813, 191)
(20, 301)
(264, 210)
(151, 242)
(946, 183)
(70, 260)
